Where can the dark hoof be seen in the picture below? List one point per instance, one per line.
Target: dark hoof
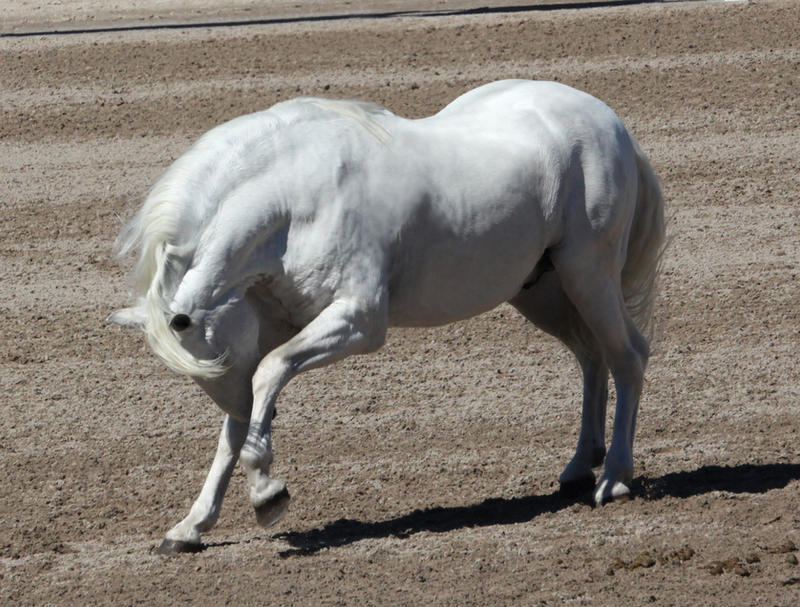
(271, 511)
(176, 546)
(578, 487)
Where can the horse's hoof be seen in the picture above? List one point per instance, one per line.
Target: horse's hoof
(169, 546)
(611, 492)
(272, 510)
(576, 487)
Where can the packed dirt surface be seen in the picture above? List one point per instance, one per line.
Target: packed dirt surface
(425, 474)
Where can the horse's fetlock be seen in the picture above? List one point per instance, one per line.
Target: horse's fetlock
(255, 459)
(619, 468)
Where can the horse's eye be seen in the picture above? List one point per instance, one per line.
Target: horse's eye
(180, 322)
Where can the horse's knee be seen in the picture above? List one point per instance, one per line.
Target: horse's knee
(375, 337)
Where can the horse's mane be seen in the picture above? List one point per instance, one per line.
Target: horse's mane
(154, 228)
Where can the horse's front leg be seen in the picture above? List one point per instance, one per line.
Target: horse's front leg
(344, 328)
(185, 536)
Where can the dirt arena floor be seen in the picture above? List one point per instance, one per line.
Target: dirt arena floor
(425, 474)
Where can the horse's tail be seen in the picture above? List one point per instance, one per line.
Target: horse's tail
(646, 245)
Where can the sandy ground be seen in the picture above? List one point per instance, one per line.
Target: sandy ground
(424, 474)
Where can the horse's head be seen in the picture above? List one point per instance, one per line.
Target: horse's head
(197, 338)
(219, 327)
(218, 347)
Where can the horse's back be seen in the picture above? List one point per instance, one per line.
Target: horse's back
(524, 101)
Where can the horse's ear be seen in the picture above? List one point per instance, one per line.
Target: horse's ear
(131, 318)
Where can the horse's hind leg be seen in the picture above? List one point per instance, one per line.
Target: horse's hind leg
(578, 476)
(592, 283)
(185, 536)
(546, 305)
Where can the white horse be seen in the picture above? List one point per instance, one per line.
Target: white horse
(292, 238)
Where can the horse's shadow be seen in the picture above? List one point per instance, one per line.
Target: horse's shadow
(507, 511)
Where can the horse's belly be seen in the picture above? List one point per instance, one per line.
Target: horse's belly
(455, 281)
(423, 310)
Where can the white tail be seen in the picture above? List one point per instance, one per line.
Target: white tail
(645, 247)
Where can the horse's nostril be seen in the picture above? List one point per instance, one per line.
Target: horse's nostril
(180, 322)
